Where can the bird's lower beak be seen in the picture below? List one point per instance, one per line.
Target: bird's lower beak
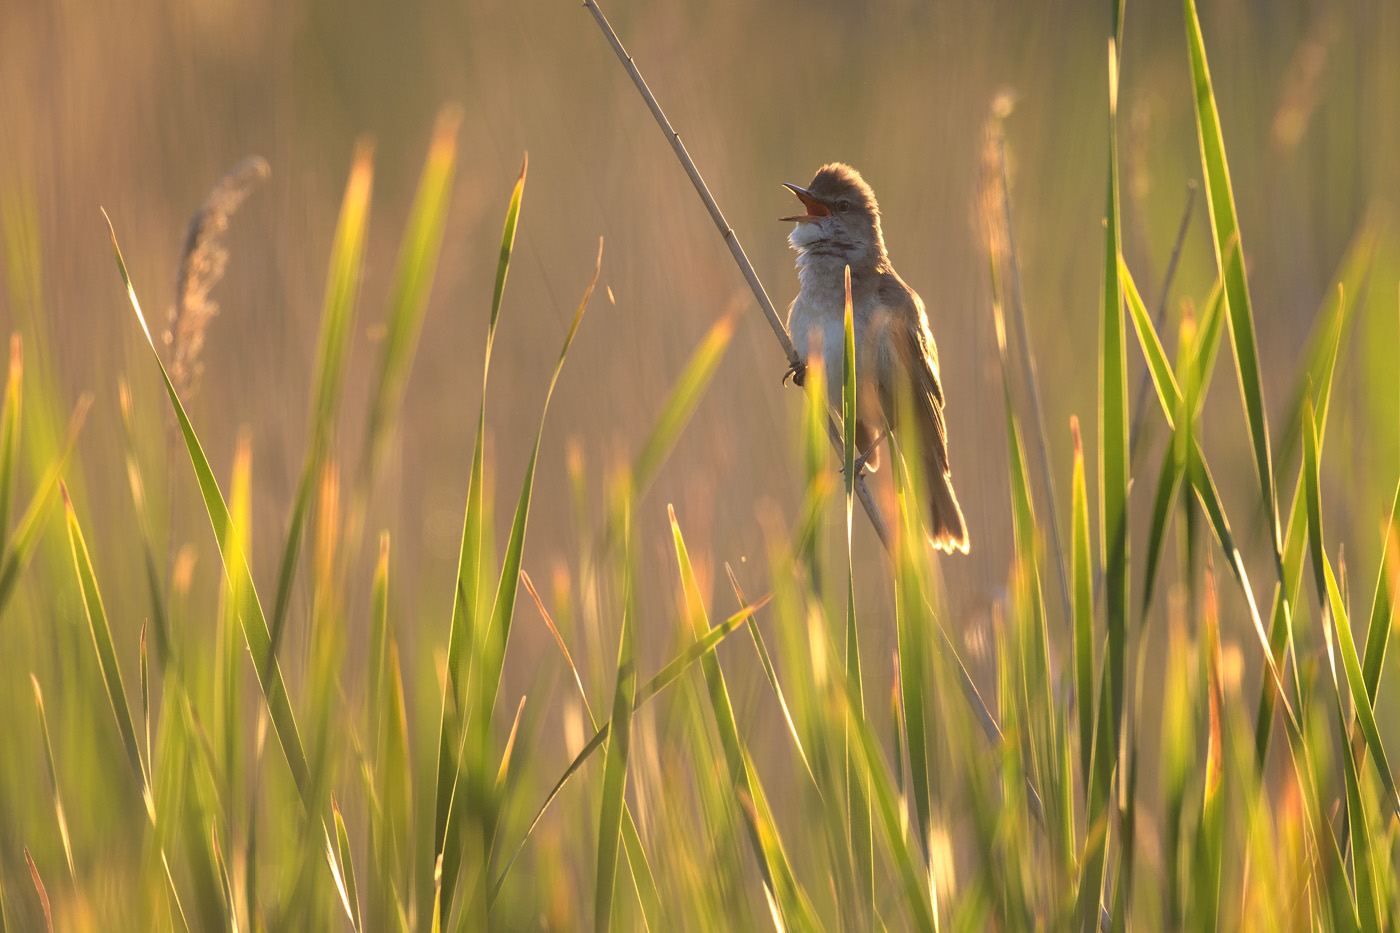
(816, 210)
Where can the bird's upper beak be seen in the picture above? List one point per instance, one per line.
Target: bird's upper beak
(816, 210)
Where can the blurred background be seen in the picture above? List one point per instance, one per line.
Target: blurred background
(140, 107)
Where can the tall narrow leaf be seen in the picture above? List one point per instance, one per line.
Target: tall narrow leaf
(333, 346)
(1220, 199)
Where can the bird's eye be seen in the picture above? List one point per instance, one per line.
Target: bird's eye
(843, 205)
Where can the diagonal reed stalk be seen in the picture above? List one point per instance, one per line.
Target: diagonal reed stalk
(731, 238)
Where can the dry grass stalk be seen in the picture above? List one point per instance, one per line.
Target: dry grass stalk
(202, 264)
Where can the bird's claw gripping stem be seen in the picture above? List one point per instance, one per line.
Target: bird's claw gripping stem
(797, 372)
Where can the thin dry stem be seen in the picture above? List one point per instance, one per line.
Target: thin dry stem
(872, 511)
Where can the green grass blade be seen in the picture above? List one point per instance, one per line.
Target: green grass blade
(1114, 461)
(9, 433)
(337, 326)
(1209, 497)
(1210, 837)
(702, 647)
(412, 284)
(1207, 346)
(1168, 482)
(1220, 200)
(503, 607)
(767, 662)
(681, 403)
(615, 774)
(911, 625)
(1163, 380)
(1083, 573)
(1314, 501)
(1363, 858)
(714, 682)
(793, 908)
(466, 591)
(250, 614)
(143, 525)
(1356, 684)
(858, 806)
(23, 542)
(346, 877)
(59, 814)
(1295, 535)
(874, 775)
(106, 650)
(1327, 335)
(1382, 610)
(648, 895)
(489, 661)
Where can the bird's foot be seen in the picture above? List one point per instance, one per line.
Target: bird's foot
(797, 372)
(865, 457)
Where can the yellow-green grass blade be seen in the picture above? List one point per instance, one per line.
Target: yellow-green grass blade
(1356, 684)
(1168, 482)
(489, 661)
(615, 768)
(59, 814)
(333, 345)
(503, 606)
(250, 614)
(793, 909)
(1211, 826)
(20, 549)
(1313, 498)
(228, 671)
(1204, 486)
(858, 806)
(1114, 461)
(466, 591)
(106, 651)
(1163, 380)
(766, 660)
(143, 525)
(716, 688)
(1382, 609)
(872, 772)
(911, 623)
(1114, 469)
(378, 638)
(1034, 654)
(346, 876)
(412, 284)
(177, 910)
(681, 403)
(1362, 855)
(1220, 200)
(1328, 333)
(1083, 573)
(700, 648)
(9, 433)
(1295, 535)
(1202, 482)
(1207, 347)
(1361, 905)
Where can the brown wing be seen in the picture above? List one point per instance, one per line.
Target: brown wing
(915, 355)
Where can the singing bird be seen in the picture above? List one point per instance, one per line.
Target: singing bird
(841, 228)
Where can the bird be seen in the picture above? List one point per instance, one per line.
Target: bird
(895, 353)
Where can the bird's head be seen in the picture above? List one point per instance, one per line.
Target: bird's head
(842, 217)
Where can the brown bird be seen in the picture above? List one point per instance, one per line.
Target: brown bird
(841, 228)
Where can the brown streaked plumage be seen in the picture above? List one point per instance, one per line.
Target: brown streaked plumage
(894, 346)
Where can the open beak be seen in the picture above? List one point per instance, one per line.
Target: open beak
(816, 210)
